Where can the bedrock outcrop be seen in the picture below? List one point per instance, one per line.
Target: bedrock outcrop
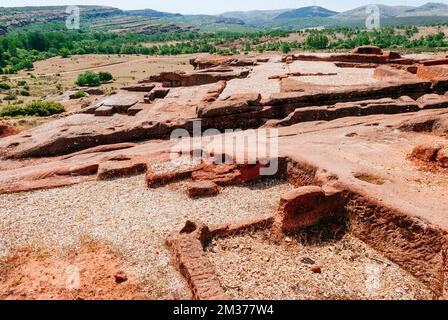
(197, 78)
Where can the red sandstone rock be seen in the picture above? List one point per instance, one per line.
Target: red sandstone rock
(252, 99)
(102, 149)
(430, 72)
(433, 101)
(202, 189)
(120, 103)
(392, 55)
(140, 88)
(289, 60)
(368, 50)
(310, 74)
(243, 62)
(132, 111)
(316, 269)
(78, 132)
(156, 94)
(120, 277)
(221, 174)
(222, 108)
(412, 69)
(348, 109)
(238, 103)
(196, 78)
(278, 77)
(385, 71)
(214, 92)
(245, 225)
(435, 62)
(120, 168)
(370, 57)
(93, 91)
(437, 74)
(207, 62)
(356, 65)
(296, 93)
(300, 199)
(304, 207)
(155, 180)
(188, 248)
(6, 130)
(426, 153)
(442, 157)
(104, 111)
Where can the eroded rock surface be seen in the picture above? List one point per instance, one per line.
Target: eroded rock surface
(354, 148)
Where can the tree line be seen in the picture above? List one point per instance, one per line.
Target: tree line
(20, 49)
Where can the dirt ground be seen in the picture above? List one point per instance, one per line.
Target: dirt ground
(126, 69)
(92, 272)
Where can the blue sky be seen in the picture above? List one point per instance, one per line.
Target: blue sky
(217, 6)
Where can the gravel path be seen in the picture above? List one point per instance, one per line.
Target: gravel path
(252, 267)
(128, 217)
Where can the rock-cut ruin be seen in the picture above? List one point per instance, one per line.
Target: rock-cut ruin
(361, 135)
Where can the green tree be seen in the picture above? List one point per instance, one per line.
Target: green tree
(105, 76)
(64, 52)
(286, 47)
(88, 79)
(317, 41)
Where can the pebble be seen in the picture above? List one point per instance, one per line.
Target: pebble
(316, 269)
(120, 277)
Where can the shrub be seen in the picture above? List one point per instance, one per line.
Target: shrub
(79, 94)
(4, 86)
(286, 47)
(105, 76)
(10, 96)
(317, 41)
(12, 111)
(21, 83)
(36, 108)
(88, 79)
(24, 93)
(44, 108)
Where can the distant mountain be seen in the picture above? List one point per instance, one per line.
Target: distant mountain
(306, 17)
(254, 17)
(307, 12)
(151, 13)
(361, 12)
(429, 9)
